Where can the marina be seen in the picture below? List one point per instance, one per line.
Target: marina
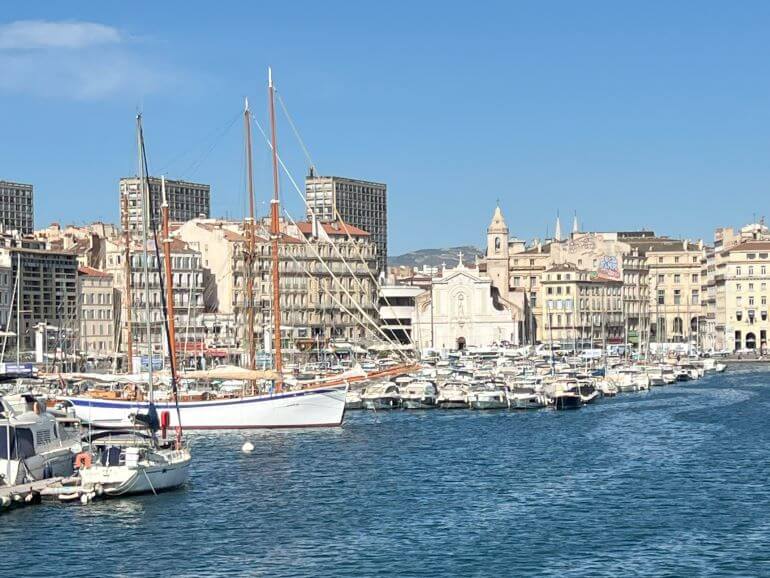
(410, 482)
(453, 290)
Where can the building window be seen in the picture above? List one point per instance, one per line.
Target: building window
(677, 278)
(661, 297)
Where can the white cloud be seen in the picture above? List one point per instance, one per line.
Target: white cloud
(32, 34)
(74, 60)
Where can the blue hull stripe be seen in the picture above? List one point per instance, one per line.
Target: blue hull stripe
(87, 402)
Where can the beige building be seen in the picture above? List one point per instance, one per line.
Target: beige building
(97, 313)
(187, 270)
(735, 289)
(671, 290)
(745, 268)
(314, 307)
(606, 258)
(675, 287)
(462, 309)
(581, 308)
(87, 242)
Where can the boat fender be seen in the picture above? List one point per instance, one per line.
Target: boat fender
(83, 460)
(84, 499)
(5, 501)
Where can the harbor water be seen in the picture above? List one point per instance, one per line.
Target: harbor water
(669, 482)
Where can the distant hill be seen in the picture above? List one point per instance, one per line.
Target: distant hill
(435, 257)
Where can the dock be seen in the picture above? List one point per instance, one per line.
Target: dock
(23, 494)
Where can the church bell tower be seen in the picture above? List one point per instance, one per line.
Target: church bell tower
(497, 253)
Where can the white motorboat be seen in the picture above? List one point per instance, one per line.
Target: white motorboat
(353, 399)
(525, 398)
(453, 396)
(34, 445)
(607, 388)
(655, 374)
(419, 395)
(381, 396)
(488, 398)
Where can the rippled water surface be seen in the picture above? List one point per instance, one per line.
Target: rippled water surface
(672, 482)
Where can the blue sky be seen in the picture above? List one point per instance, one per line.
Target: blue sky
(653, 114)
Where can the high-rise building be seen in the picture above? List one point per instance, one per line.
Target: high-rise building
(47, 286)
(185, 201)
(16, 209)
(363, 204)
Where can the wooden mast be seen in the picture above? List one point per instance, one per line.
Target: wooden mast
(274, 233)
(128, 286)
(169, 278)
(251, 242)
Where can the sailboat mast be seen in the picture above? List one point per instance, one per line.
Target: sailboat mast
(251, 242)
(145, 253)
(129, 297)
(274, 233)
(169, 278)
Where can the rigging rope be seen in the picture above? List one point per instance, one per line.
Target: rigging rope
(336, 215)
(390, 340)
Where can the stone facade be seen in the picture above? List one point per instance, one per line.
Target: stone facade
(463, 309)
(97, 304)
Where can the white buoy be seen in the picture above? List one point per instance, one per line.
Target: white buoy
(247, 448)
(84, 498)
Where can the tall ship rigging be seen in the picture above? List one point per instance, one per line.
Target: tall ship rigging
(283, 403)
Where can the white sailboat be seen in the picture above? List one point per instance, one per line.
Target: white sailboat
(133, 463)
(317, 403)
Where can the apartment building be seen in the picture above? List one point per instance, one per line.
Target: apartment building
(97, 313)
(186, 201)
(362, 204)
(16, 207)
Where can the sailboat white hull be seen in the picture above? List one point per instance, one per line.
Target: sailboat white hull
(120, 480)
(316, 407)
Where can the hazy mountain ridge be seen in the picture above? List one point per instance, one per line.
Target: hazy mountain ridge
(435, 257)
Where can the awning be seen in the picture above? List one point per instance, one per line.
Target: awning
(225, 372)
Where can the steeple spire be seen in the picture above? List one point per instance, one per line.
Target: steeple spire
(575, 223)
(557, 232)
